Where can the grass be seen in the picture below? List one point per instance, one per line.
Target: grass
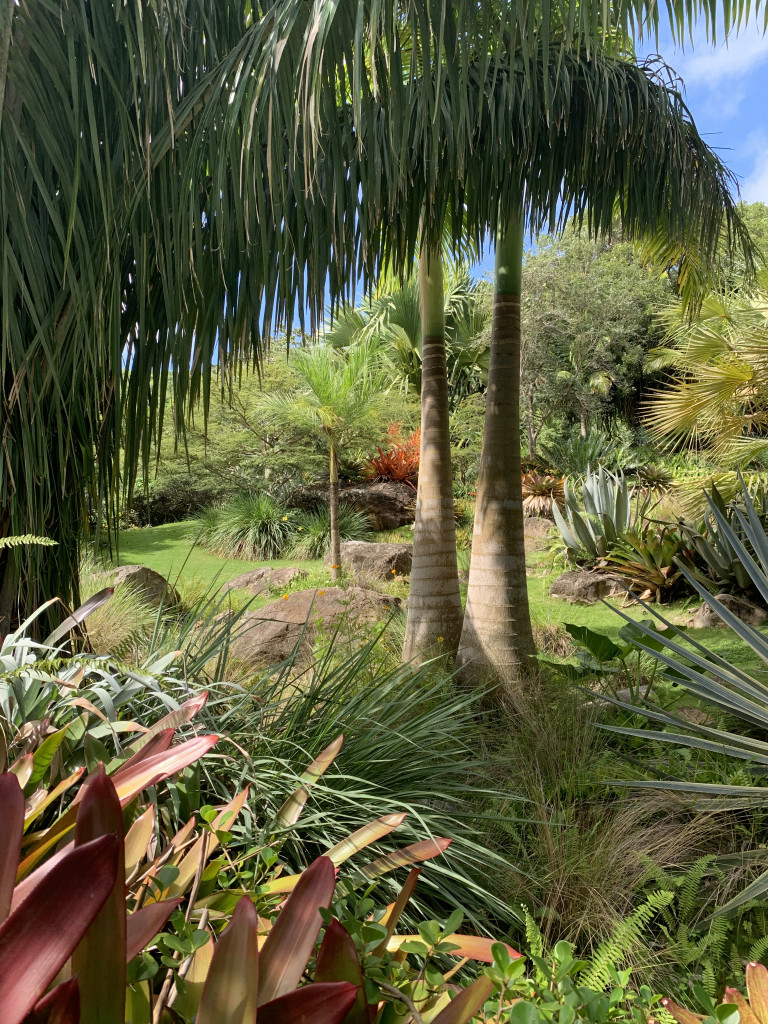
(168, 550)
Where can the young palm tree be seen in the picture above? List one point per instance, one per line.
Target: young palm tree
(338, 402)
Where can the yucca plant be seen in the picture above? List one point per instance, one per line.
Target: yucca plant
(252, 526)
(573, 454)
(591, 522)
(541, 492)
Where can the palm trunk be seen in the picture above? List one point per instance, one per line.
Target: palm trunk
(497, 641)
(333, 506)
(434, 605)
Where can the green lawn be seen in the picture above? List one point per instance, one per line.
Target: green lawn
(170, 551)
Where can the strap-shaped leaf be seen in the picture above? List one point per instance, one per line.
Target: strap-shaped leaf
(41, 934)
(292, 937)
(320, 1003)
(231, 989)
(12, 818)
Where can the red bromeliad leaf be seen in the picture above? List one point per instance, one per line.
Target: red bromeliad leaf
(320, 1003)
(40, 935)
(293, 935)
(144, 924)
(154, 745)
(231, 989)
(12, 818)
(60, 1006)
(99, 960)
(681, 1015)
(128, 785)
(746, 1014)
(129, 782)
(338, 961)
(465, 1005)
(757, 990)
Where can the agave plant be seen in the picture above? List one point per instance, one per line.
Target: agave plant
(649, 563)
(727, 688)
(590, 526)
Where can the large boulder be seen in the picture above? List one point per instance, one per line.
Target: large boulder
(587, 586)
(261, 581)
(268, 635)
(743, 609)
(387, 504)
(154, 588)
(382, 561)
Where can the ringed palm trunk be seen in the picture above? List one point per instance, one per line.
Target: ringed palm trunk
(497, 641)
(434, 605)
(333, 508)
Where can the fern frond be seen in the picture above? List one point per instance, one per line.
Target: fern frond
(688, 900)
(533, 936)
(26, 540)
(625, 937)
(758, 950)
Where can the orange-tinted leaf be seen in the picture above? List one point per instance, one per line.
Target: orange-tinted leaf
(364, 837)
(465, 1005)
(681, 1015)
(22, 768)
(144, 924)
(60, 1006)
(338, 961)
(746, 1014)
(231, 988)
(154, 745)
(190, 861)
(413, 854)
(472, 946)
(757, 990)
(394, 913)
(321, 1003)
(289, 812)
(137, 840)
(52, 796)
(40, 935)
(11, 830)
(99, 960)
(293, 935)
(187, 999)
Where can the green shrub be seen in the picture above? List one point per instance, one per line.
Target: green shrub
(251, 526)
(313, 530)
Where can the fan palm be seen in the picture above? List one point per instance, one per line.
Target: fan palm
(335, 403)
(392, 318)
(718, 392)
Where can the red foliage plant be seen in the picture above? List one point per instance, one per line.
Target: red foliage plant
(400, 462)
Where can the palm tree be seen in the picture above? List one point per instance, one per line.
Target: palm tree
(392, 318)
(337, 403)
(211, 175)
(717, 395)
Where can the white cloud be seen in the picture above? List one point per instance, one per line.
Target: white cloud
(711, 67)
(754, 188)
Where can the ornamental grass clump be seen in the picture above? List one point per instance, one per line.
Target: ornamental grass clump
(312, 537)
(251, 526)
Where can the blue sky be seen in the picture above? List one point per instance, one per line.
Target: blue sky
(726, 89)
